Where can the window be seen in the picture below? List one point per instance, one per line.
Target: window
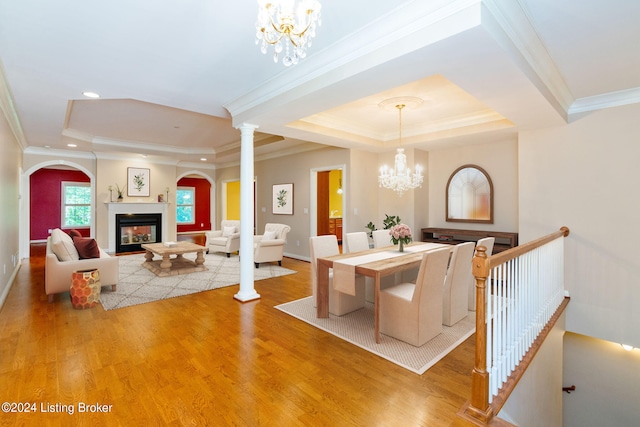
(185, 205)
(76, 204)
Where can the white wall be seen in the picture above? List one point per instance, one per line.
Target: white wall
(499, 160)
(536, 400)
(585, 176)
(10, 169)
(607, 391)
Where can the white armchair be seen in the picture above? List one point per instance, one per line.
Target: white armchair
(270, 246)
(226, 240)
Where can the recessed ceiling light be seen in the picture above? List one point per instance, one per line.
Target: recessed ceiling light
(89, 94)
(71, 145)
(204, 159)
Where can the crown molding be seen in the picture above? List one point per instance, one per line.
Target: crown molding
(150, 147)
(605, 100)
(9, 111)
(57, 153)
(509, 23)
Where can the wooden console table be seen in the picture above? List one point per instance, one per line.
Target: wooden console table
(453, 236)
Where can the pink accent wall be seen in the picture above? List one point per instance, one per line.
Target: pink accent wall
(203, 204)
(46, 200)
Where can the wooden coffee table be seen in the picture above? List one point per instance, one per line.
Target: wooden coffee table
(173, 266)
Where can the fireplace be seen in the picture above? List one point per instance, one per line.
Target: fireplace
(136, 208)
(134, 230)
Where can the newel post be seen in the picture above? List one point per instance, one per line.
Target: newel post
(479, 406)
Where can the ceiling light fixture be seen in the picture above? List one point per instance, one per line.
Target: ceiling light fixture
(72, 145)
(400, 179)
(288, 25)
(90, 94)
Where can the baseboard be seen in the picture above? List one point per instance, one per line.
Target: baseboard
(12, 279)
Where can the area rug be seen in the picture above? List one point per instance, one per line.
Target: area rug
(137, 285)
(358, 328)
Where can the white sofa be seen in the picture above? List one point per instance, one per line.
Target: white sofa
(226, 240)
(270, 246)
(57, 273)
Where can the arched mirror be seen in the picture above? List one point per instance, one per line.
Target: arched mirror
(470, 195)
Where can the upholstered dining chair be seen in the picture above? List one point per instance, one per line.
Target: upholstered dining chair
(226, 240)
(381, 238)
(339, 303)
(355, 242)
(488, 243)
(412, 312)
(455, 299)
(270, 246)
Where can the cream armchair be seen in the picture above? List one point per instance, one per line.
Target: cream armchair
(226, 240)
(270, 246)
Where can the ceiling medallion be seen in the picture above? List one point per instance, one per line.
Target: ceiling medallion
(288, 25)
(399, 178)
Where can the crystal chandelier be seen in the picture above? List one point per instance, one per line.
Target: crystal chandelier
(288, 26)
(400, 178)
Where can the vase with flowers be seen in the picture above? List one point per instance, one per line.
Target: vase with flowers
(400, 234)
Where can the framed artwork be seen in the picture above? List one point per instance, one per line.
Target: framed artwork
(138, 182)
(283, 199)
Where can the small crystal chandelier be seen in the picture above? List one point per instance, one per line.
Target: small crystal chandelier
(287, 27)
(400, 178)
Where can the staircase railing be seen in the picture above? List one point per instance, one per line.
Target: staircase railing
(519, 296)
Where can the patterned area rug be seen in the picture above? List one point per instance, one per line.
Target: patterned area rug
(358, 328)
(138, 285)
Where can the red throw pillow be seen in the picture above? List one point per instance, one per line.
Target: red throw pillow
(87, 247)
(74, 233)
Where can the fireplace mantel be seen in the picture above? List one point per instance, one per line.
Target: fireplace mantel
(135, 208)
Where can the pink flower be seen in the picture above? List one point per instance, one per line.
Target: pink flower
(400, 233)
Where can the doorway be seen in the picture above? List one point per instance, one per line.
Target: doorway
(328, 201)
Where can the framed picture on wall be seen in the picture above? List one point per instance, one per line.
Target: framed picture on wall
(283, 199)
(138, 182)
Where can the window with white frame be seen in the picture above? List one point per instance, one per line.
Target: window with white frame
(76, 204)
(186, 205)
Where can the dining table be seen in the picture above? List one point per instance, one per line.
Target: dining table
(374, 263)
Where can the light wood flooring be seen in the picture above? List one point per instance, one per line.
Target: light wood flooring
(207, 359)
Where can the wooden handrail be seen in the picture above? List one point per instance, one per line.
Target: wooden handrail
(478, 408)
(513, 253)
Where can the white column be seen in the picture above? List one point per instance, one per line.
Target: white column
(247, 291)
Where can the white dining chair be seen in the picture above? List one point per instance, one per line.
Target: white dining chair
(455, 298)
(339, 303)
(412, 312)
(488, 243)
(355, 242)
(381, 238)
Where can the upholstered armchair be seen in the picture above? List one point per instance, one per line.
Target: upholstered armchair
(488, 243)
(270, 246)
(412, 312)
(455, 299)
(226, 240)
(339, 303)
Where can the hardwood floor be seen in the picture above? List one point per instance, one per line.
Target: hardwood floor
(207, 359)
